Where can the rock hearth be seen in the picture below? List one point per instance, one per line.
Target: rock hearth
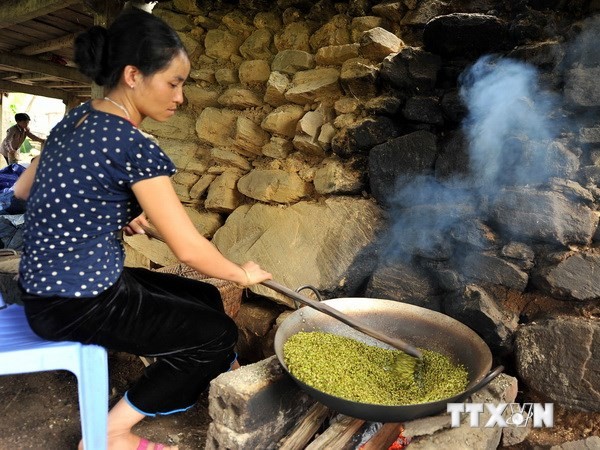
(368, 149)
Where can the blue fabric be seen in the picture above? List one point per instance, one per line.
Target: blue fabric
(168, 413)
(11, 234)
(9, 204)
(81, 199)
(9, 175)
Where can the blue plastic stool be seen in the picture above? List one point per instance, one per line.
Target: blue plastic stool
(21, 351)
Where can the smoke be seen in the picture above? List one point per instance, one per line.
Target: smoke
(509, 124)
(510, 130)
(425, 212)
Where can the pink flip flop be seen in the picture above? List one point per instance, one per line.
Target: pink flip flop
(143, 445)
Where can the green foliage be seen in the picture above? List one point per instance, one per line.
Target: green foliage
(25, 146)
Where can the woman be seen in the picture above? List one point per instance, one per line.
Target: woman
(96, 174)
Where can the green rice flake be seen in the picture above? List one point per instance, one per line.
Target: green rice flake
(355, 371)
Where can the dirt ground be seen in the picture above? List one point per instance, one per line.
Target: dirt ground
(40, 410)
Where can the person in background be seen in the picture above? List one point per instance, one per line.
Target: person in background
(15, 136)
(96, 175)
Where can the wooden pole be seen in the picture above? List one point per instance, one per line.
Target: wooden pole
(105, 11)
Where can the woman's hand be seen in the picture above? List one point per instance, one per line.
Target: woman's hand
(136, 226)
(253, 274)
(160, 202)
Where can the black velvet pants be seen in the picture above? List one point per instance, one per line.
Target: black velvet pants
(178, 320)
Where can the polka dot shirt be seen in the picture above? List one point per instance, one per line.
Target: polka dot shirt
(81, 199)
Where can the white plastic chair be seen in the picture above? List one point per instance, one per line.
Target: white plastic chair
(21, 351)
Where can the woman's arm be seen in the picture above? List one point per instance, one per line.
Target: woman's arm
(22, 186)
(164, 209)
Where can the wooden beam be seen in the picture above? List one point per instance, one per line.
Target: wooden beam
(101, 7)
(48, 46)
(33, 76)
(51, 85)
(7, 86)
(105, 12)
(16, 11)
(37, 65)
(4, 75)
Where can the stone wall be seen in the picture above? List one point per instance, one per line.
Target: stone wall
(272, 88)
(303, 103)
(268, 92)
(337, 145)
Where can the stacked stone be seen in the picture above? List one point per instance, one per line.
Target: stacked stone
(253, 407)
(303, 118)
(283, 108)
(268, 102)
(266, 89)
(257, 405)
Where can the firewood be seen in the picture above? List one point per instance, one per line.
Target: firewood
(306, 429)
(384, 437)
(338, 435)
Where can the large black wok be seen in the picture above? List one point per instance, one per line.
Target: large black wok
(422, 327)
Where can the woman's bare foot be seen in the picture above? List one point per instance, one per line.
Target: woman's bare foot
(121, 420)
(145, 444)
(130, 441)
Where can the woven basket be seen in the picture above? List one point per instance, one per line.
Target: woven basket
(231, 293)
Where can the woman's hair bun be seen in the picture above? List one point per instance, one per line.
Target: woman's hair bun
(90, 53)
(135, 38)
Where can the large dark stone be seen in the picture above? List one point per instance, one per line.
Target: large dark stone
(474, 307)
(574, 278)
(520, 162)
(411, 70)
(453, 107)
(490, 269)
(542, 216)
(364, 135)
(402, 158)
(465, 35)
(423, 109)
(453, 161)
(405, 283)
(559, 357)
